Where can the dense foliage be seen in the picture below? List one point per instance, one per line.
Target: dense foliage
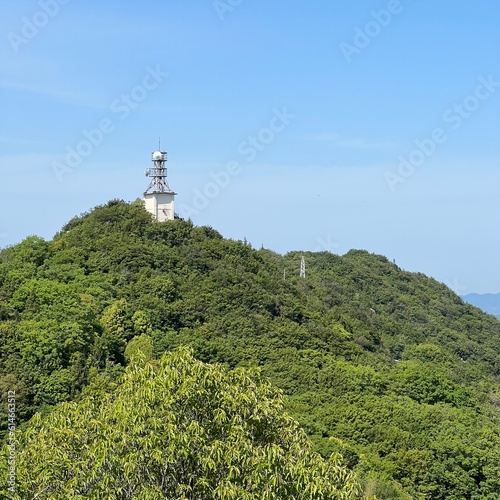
(176, 429)
(389, 368)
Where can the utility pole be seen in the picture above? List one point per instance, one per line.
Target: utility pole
(302, 267)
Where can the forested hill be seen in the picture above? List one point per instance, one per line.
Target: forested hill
(388, 367)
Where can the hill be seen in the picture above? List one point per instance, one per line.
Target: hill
(390, 368)
(488, 302)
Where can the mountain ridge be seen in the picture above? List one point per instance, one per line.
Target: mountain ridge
(390, 368)
(488, 302)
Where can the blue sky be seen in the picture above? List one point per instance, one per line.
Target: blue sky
(298, 125)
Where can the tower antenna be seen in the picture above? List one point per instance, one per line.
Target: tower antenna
(159, 196)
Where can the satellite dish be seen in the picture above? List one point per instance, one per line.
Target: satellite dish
(157, 155)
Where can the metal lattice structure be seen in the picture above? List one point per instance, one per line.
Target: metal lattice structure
(158, 174)
(302, 267)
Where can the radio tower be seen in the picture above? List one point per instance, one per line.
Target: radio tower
(159, 197)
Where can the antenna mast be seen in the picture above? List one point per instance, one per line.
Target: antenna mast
(158, 174)
(302, 267)
(159, 196)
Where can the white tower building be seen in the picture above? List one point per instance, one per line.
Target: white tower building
(159, 197)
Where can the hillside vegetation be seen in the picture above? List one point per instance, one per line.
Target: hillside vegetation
(177, 429)
(389, 368)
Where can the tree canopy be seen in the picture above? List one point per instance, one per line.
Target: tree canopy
(180, 429)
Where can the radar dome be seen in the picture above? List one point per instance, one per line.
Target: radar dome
(157, 155)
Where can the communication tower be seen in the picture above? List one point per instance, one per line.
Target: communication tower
(159, 197)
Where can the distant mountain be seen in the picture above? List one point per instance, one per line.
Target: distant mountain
(488, 302)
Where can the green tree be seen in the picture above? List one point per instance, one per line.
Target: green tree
(141, 343)
(178, 429)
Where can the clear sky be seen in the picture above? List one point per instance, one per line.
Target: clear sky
(300, 125)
